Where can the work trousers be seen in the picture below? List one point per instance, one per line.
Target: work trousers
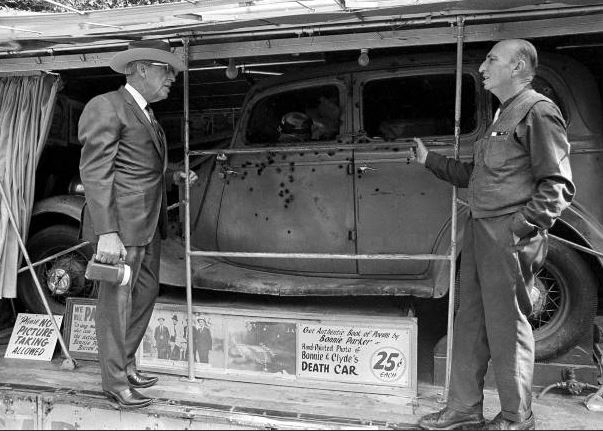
(123, 314)
(497, 276)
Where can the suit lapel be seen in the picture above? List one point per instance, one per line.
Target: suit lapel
(160, 146)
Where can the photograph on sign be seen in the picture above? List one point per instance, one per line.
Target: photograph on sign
(261, 346)
(165, 343)
(33, 337)
(79, 330)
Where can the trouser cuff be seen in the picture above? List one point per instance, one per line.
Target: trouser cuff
(462, 408)
(516, 417)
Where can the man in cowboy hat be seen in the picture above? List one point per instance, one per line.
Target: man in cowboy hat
(123, 168)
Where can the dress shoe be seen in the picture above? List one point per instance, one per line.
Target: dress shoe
(129, 398)
(500, 423)
(138, 380)
(449, 419)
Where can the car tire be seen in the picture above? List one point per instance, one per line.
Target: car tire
(566, 312)
(565, 305)
(61, 277)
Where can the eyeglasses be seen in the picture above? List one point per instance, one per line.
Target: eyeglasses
(166, 66)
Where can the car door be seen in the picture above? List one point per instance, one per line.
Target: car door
(401, 206)
(298, 201)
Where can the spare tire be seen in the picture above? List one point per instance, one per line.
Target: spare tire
(60, 277)
(564, 301)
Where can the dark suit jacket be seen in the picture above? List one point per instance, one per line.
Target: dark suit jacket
(123, 165)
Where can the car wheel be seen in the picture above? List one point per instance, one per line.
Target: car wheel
(61, 277)
(564, 302)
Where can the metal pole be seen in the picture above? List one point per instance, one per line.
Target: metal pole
(187, 220)
(69, 362)
(453, 223)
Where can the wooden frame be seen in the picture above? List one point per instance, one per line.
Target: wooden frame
(78, 328)
(286, 347)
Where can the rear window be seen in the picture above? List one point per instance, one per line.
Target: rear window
(308, 114)
(404, 107)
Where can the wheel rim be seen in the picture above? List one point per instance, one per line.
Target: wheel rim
(550, 306)
(64, 277)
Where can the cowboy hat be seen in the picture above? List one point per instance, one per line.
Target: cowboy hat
(151, 50)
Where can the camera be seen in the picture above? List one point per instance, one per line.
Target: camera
(119, 273)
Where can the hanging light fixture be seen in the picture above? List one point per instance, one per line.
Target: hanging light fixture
(231, 70)
(363, 58)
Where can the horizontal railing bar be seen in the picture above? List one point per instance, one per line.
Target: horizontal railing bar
(331, 147)
(324, 255)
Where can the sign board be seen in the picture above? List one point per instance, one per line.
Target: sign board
(33, 337)
(79, 331)
(354, 354)
(370, 354)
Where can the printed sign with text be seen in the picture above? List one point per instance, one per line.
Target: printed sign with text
(33, 337)
(354, 354)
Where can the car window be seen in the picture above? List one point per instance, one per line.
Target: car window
(308, 114)
(404, 107)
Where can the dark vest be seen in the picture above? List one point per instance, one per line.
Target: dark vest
(502, 180)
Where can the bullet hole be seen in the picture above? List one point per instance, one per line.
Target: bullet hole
(256, 214)
(377, 190)
(289, 232)
(279, 170)
(316, 153)
(286, 206)
(313, 170)
(263, 165)
(287, 201)
(292, 169)
(396, 149)
(281, 194)
(267, 218)
(339, 150)
(331, 153)
(284, 157)
(282, 184)
(340, 166)
(422, 193)
(291, 164)
(359, 176)
(302, 154)
(257, 165)
(260, 171)
(227, 182)
(290, 178)
(270, 161)
(287, 191)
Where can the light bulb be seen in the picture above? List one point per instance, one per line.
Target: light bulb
(363, 58)
(231, 70)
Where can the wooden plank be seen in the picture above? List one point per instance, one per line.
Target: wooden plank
(586, 24)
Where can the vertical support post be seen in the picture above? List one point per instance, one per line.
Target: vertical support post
(187, 221)
(460, 21)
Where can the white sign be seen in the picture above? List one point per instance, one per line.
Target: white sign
(354, 354)
(33, 337)
(82, 336)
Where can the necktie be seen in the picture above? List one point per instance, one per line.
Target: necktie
(158, 129)
(155, 123)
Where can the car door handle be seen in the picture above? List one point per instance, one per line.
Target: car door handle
(227, 172)
(363, 169)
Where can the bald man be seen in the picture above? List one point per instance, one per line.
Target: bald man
(519, 182)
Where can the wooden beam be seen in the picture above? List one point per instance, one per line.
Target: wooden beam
(384, 39)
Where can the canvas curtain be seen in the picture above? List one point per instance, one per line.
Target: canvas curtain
(26, 105)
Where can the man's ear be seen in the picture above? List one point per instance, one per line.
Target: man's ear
(520, 67)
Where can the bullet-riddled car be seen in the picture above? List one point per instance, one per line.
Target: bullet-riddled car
(327, 197)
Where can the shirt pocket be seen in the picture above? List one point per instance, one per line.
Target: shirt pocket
(497, 151)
